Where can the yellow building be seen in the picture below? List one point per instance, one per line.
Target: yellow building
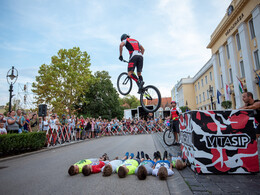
(235, 56)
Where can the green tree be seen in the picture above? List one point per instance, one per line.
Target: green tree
(226, 104)
(62, 83)
(102, 98)
(185, 109)
(129, 101)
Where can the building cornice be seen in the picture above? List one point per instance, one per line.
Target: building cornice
(225, 22)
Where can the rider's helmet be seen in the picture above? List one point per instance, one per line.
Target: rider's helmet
(173, 102)
(124, 36)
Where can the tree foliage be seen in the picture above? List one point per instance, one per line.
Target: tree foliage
(129, 102)
(64, 80)
(102, 98)
(226, 104)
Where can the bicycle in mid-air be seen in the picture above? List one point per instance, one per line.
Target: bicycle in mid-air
(149, 94)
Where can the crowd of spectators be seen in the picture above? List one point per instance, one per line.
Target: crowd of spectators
(78, 127)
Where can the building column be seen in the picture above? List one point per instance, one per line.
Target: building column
(216, 78)
(256, 22)
(224, 70)
(248, 64)
(234, 66)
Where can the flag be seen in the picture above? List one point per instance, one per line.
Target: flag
(240, 85)
(218, 95)
(258, 78)
(227, 91)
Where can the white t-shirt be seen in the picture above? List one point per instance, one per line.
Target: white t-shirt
(3, 131)
(53, 124)
(45, 126)
(115, 164)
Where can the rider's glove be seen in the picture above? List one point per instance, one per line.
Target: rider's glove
(121, 58)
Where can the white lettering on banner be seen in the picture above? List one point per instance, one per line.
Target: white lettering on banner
(186, 138)
(230, 140)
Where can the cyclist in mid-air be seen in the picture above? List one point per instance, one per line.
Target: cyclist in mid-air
(136, 52)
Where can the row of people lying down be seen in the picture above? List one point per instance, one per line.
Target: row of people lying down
(129, 165)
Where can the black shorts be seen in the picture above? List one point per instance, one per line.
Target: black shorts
(175, 126)
(135, 61)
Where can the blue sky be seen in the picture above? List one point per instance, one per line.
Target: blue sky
(174, 34)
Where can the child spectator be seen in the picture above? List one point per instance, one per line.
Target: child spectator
(2, 129)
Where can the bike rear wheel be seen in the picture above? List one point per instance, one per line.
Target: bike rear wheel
(168, 137)
(150, 98)
(124, 83)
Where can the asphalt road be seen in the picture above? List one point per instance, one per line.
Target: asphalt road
(47, 172)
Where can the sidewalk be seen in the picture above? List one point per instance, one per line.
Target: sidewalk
(216, 184)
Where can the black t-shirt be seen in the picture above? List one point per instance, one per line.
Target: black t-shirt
(257, 112)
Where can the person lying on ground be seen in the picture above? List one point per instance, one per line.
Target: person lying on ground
(162, 168)
(128, 167)
(145, 167)
(77, 167)
(112, 166)
(177, 162)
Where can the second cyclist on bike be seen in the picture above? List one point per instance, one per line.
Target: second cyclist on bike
(175, 112)
(136, 52)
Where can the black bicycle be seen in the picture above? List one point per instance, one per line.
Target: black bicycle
(168, 137)
(149, 95)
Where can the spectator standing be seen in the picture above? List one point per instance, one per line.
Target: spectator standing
(64, 123)
(13, 126)
(34, 123)
(26, 126)
(2, 129)
(45, 124)
(20, 119)
(2, 119)
(250, 103)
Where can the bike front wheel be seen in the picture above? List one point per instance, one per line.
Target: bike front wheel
(168, 137)
(124, 83)
(150, 98)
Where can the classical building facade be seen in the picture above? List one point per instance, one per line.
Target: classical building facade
(235, 58)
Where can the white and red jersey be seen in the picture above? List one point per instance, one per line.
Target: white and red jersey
(175, 112)
(133, 46)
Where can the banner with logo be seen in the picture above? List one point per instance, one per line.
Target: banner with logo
(219, 141)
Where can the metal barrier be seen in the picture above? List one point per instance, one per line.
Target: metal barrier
(67, 134)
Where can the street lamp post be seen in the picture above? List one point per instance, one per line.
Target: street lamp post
(211, 96)
(11, 78)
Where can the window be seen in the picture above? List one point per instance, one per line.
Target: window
(195, 87)
(201, 82)
(238, 42)
(203, 96)
(222, 85)
(200, 98)
(210, 76)
(251, 27)
(207, 94)
(257, 63)
(242, 69)
(228, 56)
(198, 85)
(230, 75)
(219, 62)
(197, 100)
(206, 80)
